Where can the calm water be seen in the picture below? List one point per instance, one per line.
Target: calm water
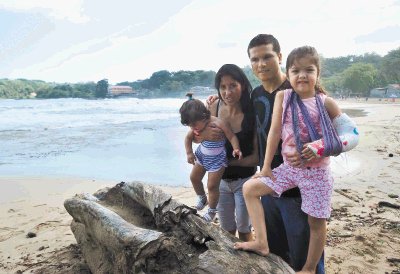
(114, 139)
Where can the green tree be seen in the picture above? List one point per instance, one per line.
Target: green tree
(158, 78)
(359, 78)
(391, 66)
(101, 88)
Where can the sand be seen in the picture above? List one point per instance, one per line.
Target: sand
(363, 237)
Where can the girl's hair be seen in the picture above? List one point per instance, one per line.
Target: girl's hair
(310, 53)
(192, 111)
(238, 75)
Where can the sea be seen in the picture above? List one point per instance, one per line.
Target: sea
(122, 139)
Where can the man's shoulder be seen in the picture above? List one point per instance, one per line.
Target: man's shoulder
(285, 85)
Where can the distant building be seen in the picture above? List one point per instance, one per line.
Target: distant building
(120, 91)
(389, 91)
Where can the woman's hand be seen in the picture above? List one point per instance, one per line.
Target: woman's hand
(211, 133)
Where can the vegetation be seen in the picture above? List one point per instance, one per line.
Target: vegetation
(348, 75)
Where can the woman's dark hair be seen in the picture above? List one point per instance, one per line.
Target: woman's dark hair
(192, 111)
(306, 52)
(238, 75)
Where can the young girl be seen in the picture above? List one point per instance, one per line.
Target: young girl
(209, 156)
(302, 118)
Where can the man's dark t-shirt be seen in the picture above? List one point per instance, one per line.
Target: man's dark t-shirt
(263, 105)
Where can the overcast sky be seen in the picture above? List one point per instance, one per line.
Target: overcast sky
(127, 40)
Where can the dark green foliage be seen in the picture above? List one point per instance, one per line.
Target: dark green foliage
(391, 66)
(101, 89)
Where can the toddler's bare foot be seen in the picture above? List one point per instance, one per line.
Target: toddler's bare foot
(260, 249)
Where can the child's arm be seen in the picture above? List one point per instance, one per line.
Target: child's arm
(188, 147)
(274, 136)
(250, 160)
(230, 136)
(344, 126)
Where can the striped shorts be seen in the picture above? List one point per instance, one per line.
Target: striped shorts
(211, 155)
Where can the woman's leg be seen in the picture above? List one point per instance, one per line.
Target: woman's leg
(226, 207)
(253, 190)
(317, 243)
(242, 215)
(196, 176)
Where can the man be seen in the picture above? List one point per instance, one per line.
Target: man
(288, 229)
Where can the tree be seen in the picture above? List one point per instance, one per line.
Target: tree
(101, 88)
(359, 78)
(391, 66)
(158, 78)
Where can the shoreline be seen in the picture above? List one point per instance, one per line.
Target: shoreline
(362, 235)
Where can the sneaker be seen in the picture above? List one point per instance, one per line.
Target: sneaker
(210, 215)
(201, 202)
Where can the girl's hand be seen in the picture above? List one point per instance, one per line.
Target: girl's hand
(237, 153)
(190, 158)
(294, 159)
(313, 150)
(265, 172)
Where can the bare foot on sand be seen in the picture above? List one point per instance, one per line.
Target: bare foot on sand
(260, 249)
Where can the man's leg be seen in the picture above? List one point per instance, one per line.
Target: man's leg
(297, 233)
(276, 233)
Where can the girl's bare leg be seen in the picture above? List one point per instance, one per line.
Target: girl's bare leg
(253, 189)
(316, 245)
(214, 178)
(196, 176)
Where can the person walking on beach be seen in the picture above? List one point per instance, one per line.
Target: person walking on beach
(302, 118)
(234, 107)
(210, 155)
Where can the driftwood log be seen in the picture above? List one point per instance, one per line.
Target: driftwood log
(138, 228)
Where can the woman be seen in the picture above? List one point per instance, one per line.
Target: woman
(234, 108)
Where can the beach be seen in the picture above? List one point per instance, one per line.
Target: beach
(363, 231)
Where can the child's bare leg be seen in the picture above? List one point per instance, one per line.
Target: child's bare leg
(214, 178)
(196, 176)
(253, 189)
(316, 245)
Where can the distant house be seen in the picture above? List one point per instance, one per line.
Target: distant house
(389, 91)
(120, 91)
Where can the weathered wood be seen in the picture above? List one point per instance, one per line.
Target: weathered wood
(137, 228)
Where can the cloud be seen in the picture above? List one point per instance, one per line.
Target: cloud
(71, 10)
(387, 34)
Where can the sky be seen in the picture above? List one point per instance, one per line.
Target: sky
(128, 40)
